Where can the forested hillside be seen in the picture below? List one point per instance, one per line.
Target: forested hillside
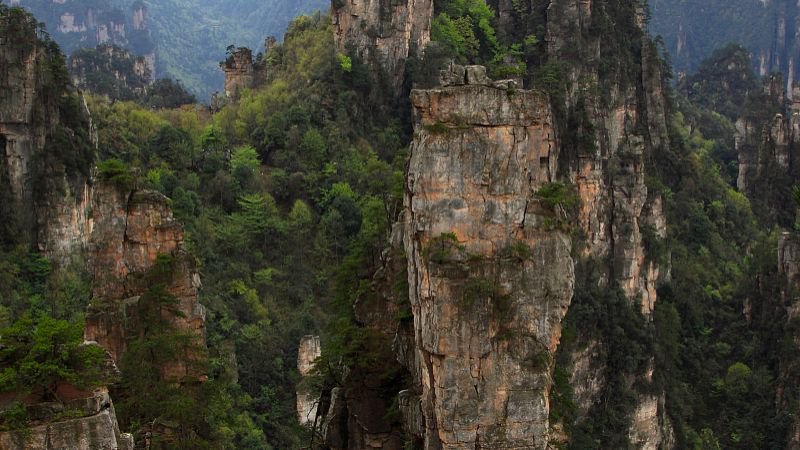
(505, 225)
(693, 29)
(171, 31)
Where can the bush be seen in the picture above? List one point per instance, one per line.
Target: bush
(116, 172)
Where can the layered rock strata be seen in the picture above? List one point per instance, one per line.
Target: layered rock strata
(239, 72)
(385, 32)
(490, 277)
(92, 425)
(132, 230)
(307, 403)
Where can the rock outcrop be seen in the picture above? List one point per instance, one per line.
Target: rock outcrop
(490, 277)
(90, 424)
(132, 230)
(32, 125)
(239, 72)
(615, 135)
(491, 266)
(307, 403)
(383, 32)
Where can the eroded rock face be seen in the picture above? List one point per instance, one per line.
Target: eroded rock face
(608, 167)
(131, 230)
(310, 349)
(489, 281)
(385, 32)
(96, 429)
(52, 204)
(239, 72)
(617, 133)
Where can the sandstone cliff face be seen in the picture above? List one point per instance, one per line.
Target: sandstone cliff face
(29, 116)
(626, 128)
(239, 72)
(490, 276)
(384, 32)
(308, 352)
(131, 230)
(487, 317)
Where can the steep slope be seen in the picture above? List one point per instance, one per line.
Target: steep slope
(493, 238)
(490, 276)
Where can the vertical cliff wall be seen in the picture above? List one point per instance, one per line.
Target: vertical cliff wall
(132, 230)
(492, 267)
(45, 131)
(383, 32)
(490, 277)
(617, 129)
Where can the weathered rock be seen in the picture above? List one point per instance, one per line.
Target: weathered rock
(308, 352)
(96, 429)
(485, 324)
(650, 427)
(239, 72)
(477, 75)
(455, 75)
(383, 32)
(620, 132)
(54, 214)
(131, 230)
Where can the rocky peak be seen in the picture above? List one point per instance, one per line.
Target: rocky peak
(308, 352)
(490, 274)
(383, 33)
(132, 230)
(239, 71)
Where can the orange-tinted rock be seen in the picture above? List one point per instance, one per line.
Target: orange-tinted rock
(486, 320)
(131, 230)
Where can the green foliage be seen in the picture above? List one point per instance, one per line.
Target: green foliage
(442, 249)
(345, 62)
(557, 195)
(40, 352)
(116, 172)
(15, 417)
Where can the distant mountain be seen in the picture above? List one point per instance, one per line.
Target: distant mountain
(693, 29)
(182, 39)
